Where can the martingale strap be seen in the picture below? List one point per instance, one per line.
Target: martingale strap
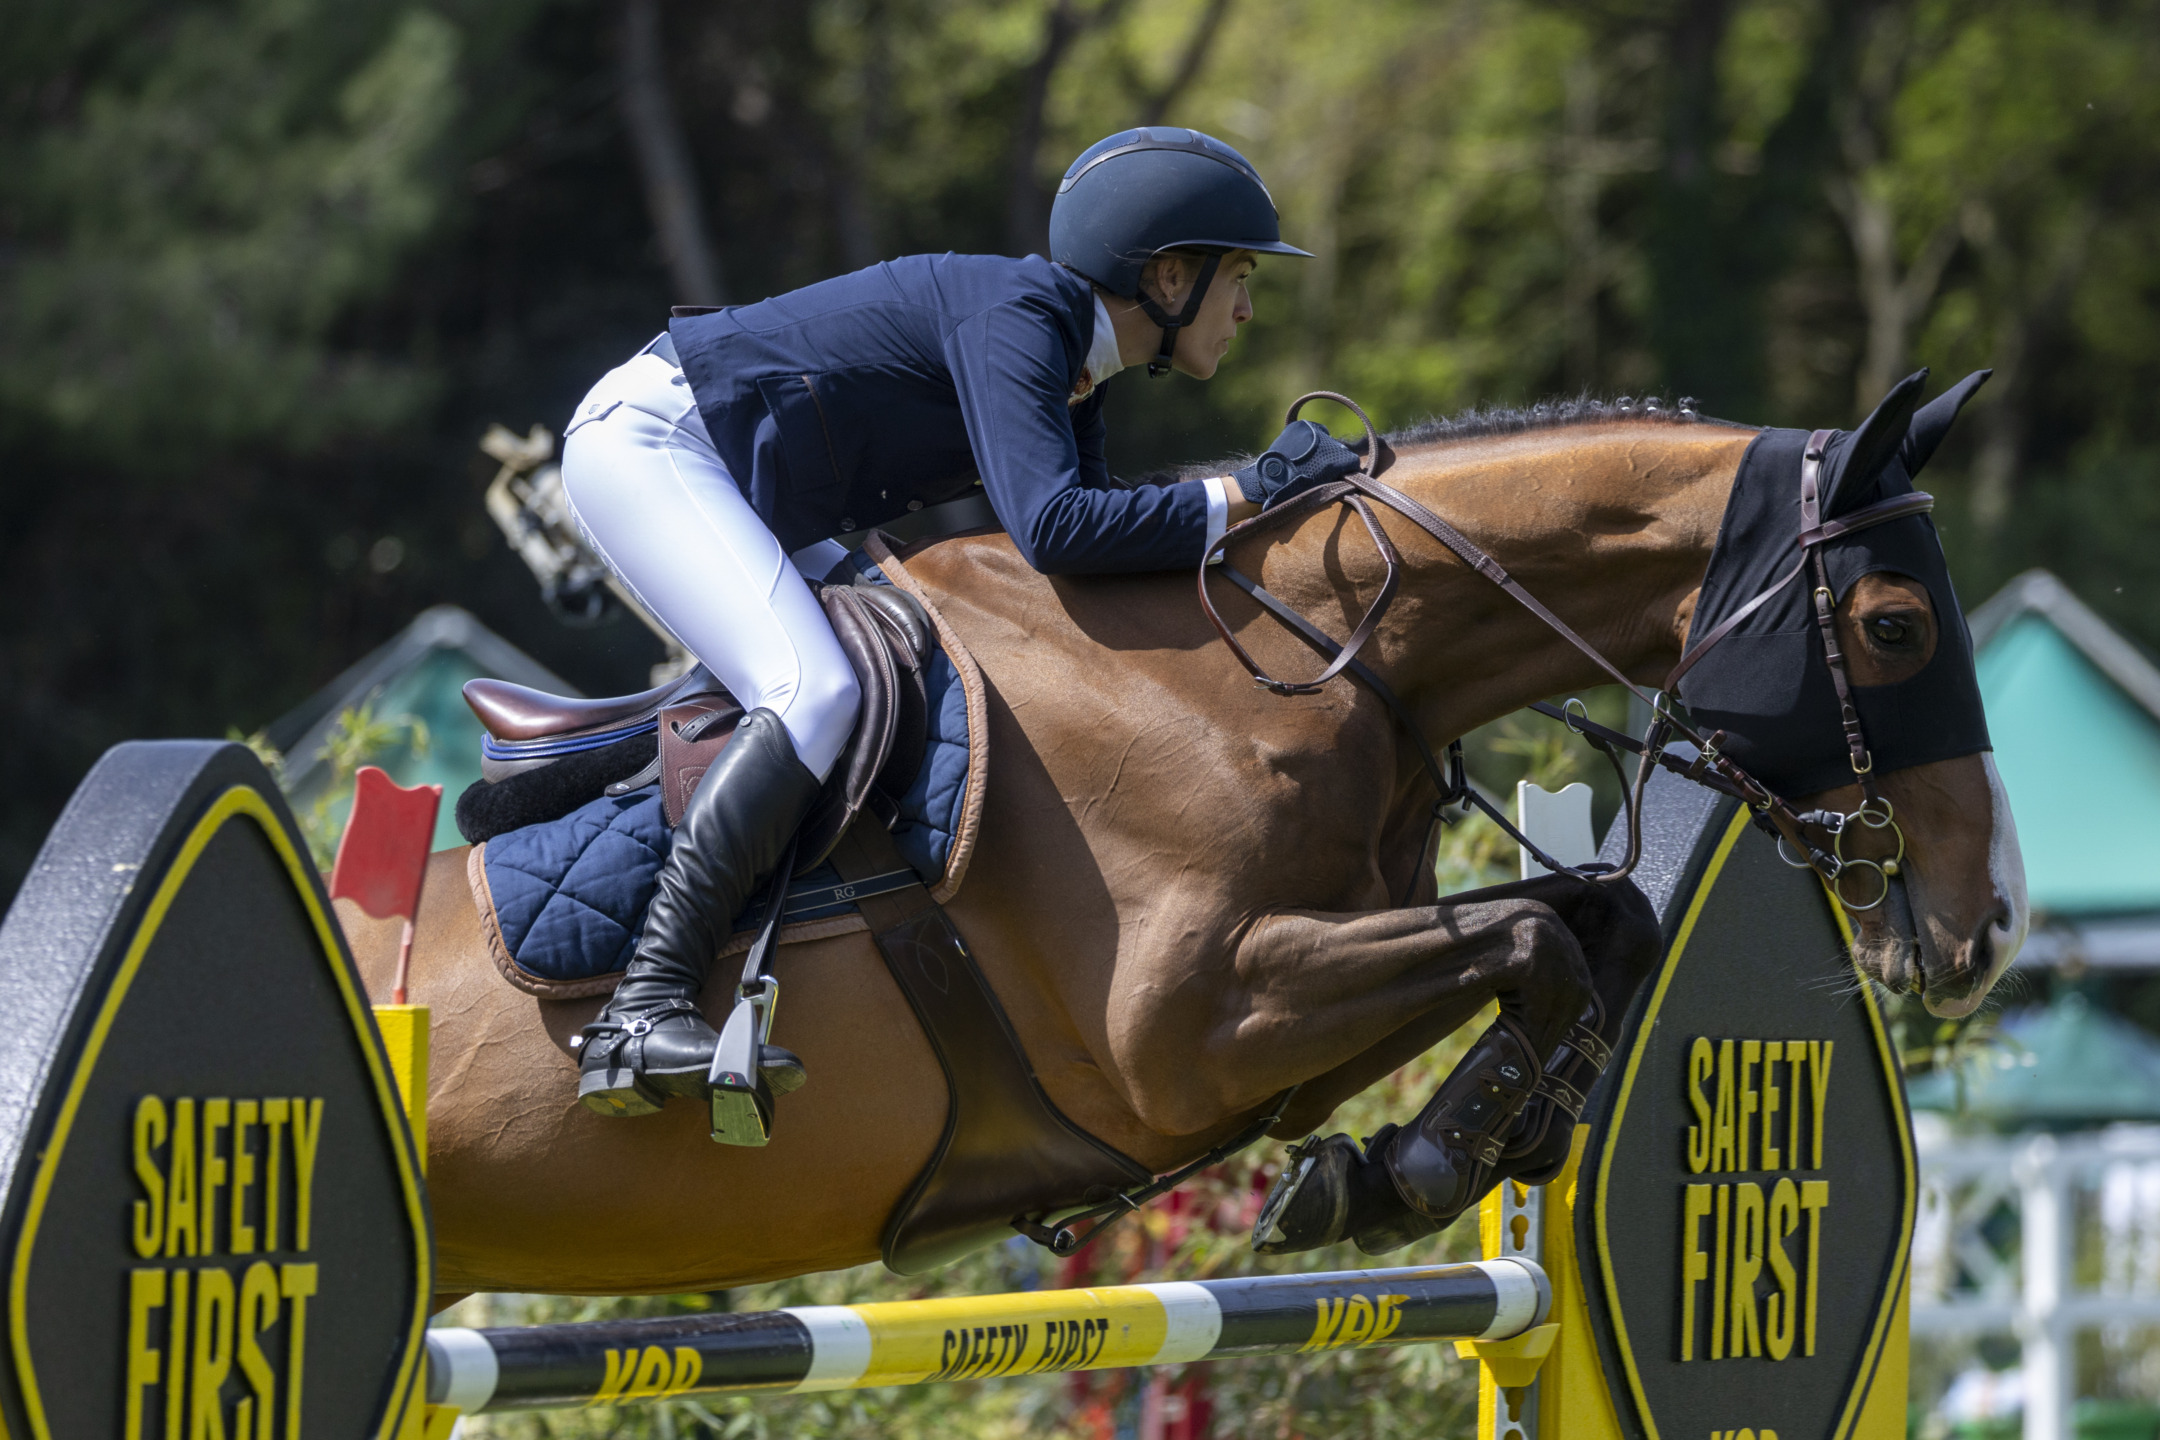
(1708, 767)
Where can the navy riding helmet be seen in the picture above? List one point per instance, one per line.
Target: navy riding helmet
(1140, 192)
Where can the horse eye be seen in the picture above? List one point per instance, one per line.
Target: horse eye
(1889, 631)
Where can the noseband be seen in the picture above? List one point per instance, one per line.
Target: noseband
(1709, 766)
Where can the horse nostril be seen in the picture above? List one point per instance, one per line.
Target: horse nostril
(1993, 932)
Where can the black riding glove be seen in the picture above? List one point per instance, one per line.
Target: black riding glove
(1303, 456)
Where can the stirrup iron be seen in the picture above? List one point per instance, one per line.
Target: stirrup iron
(742, 1101)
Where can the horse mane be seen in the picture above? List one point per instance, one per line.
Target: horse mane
(1484, 421)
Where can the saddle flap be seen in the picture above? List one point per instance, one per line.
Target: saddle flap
(1007, 1149)
(692, 735)
(886, 638)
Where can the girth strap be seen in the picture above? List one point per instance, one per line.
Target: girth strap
(1006, 1150)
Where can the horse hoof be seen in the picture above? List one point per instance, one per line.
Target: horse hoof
(617, 1092)
(1310, 1200)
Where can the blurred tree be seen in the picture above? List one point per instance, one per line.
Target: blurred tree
(229, 184)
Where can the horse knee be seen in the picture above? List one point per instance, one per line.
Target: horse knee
(1622, 931)
(1547, 960)
(1614, 923)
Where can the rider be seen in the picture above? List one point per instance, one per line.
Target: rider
(711, 470)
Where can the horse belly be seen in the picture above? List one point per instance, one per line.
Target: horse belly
(532, 1192)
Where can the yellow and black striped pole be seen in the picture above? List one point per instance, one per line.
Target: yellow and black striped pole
(837, 1347)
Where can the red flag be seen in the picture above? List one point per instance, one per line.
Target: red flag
(383, 857)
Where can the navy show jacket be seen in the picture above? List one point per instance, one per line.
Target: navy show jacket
(837, 404)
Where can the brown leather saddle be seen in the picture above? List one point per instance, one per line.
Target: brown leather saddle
(1007, 1155)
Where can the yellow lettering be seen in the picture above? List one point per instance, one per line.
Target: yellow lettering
(1721, 1128)
(240, 1234)
(306, 1133)
(1694, 1264)
(620, 1366)
(216, 1115)
(1772, 1052)
(1819, 1082)
(1814, 1198)
(1720, 1272)
(258, 1312)
(296, 1283)
(1326, 1323)
(1391, 1314)
(689, 1367)
(180, 1182)
(653, 1371)
(1700, 1064)
(176, 1341)
(1750, 1057)
(1357, 1321)
(1747, 1268)
(1784, 1310)
(213, 1345)
(149, 1232)
(273, 1113)
(146, 1292)
(1796, 1057)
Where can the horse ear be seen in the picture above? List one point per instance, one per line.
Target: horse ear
(1933, 420)
(1874, 444)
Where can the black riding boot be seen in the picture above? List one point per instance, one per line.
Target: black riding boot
(651, 1041)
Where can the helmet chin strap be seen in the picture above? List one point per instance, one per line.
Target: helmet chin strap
(1171, 324)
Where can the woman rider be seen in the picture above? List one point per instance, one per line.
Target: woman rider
(710, 471)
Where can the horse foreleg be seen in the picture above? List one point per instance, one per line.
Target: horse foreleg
(1306, 994)
(1504, 1109)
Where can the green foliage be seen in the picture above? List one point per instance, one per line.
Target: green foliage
(229, 186)
(356, 738)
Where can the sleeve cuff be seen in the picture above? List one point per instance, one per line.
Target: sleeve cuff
(1218, 509)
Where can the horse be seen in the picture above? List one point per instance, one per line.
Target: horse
(1190, 893)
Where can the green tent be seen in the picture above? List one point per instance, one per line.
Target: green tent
(2074, 710)
(416, 676)
(2064, 1064)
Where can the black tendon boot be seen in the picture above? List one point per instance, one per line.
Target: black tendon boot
(651, 1041)
(1444, 1161)
(1405, 1184)
(1538, 1149)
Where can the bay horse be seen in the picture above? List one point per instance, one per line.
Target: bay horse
(1189, 893)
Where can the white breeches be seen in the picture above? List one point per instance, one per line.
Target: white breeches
(656, 503)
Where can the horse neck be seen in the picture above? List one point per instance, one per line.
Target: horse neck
(1610, 526)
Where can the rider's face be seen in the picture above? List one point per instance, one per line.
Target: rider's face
(1202, 344)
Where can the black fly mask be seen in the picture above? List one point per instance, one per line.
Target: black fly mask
(1759, 672)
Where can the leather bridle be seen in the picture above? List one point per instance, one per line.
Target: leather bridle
(1709, 766)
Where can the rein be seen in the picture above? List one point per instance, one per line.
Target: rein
(1709, 766)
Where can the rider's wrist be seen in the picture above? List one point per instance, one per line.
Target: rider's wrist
(1217, 488)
